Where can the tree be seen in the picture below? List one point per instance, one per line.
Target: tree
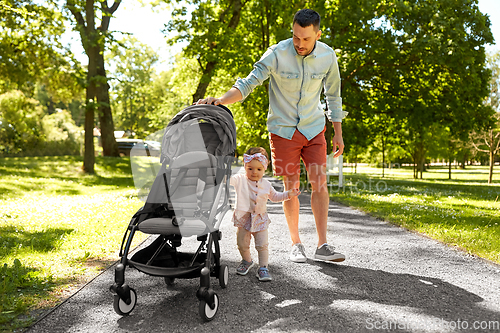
(31, 52)
(383, 126)
(419, 62)
(414, 62)
(93, 40)
(133, 75)
(488, 140)
(210, 34)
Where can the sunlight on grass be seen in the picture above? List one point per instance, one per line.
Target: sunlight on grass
(474, 174)
(79, 226)
(58, 229)
(463, 212)
(62, 175)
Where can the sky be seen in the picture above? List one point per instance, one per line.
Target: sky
(147, 27)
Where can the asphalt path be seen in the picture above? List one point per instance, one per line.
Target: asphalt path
(393, 280)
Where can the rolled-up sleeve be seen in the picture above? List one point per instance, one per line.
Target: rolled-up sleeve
(260, 73)
(332, 92)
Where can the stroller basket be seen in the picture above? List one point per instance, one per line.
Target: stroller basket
(167, 262)
(188, 197)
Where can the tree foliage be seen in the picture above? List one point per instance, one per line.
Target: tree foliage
(487, 140)
(211, 33)
(31, 52)
(413, 72)
(20, 123)
(26, 130)
(133, 96)
(415, 63)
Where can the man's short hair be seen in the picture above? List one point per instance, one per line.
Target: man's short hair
(307, 17)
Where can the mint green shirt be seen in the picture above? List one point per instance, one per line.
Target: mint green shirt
(295, 86)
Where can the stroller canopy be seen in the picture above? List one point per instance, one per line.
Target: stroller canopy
(214, 131)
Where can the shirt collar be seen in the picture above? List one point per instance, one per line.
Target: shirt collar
(312, 54)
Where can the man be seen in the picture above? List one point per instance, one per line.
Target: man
(298, 69)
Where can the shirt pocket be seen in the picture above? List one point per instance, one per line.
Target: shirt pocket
(290, 81)
(315, 82)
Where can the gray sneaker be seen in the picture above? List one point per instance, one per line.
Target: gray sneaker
(244, 267)
(327, 252)
(298, 253)
(263, 274)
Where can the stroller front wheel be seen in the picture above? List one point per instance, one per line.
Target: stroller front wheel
(123, 308)
(206, 313)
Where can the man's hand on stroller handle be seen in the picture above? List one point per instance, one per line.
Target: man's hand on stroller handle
(233, 95)
(209, 100)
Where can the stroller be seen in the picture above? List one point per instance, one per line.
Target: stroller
(188, 197)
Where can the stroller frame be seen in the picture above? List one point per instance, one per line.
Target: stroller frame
(204, 263)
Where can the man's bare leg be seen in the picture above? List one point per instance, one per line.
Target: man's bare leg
(320, 200)
(291, 207)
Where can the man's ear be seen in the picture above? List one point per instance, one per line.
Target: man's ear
(318, 35)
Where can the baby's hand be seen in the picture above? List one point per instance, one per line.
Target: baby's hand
(293, 192)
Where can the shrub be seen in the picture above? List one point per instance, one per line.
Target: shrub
(20, 127)
(25, 131)
(62, 135)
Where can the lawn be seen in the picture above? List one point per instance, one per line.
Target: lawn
(462, 212)
(58, 229)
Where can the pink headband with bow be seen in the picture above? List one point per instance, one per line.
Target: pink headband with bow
(258, 156)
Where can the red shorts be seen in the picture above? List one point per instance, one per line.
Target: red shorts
(286, 154)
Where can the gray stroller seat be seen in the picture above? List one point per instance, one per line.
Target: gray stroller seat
(192, 192)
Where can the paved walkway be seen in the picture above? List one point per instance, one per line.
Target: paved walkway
(392, 281)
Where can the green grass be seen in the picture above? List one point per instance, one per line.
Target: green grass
(58, 229)
(462, 212)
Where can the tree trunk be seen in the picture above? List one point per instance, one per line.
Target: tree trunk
(109, 146)
(89, 154)
(449, 168)
(383, 157)
(328, 136)
(492, 158)
(415, 175)
(462, 163)
(97, 86)
(206, 77)
(492, 162)
(210, 66)
(422, 166)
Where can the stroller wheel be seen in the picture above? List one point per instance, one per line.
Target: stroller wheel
(223, 276)
(169, 281)
(206, 313)
(123, 308)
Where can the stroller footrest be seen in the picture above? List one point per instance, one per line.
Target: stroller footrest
(164, 226)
